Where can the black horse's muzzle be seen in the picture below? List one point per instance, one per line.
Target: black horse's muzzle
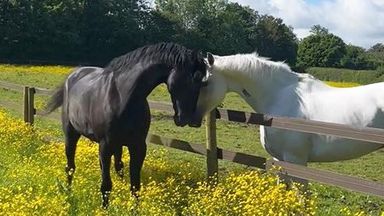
(180, 120)
(196, 120)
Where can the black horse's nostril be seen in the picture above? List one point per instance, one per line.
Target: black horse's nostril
(180, 121)
(194, 124)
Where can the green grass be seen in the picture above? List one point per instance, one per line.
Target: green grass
(231, 136)
(361, 77)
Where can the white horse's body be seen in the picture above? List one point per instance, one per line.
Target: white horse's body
(272, 88)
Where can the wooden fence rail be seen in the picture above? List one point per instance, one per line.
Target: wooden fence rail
(213, 153)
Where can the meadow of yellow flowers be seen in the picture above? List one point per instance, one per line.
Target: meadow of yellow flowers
(33, 183)
(8, 68)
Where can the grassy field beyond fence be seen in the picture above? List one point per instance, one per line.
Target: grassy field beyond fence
(231, 136)
(346, 75)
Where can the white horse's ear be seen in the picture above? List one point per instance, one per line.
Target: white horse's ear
(211, 59)
(206, 77)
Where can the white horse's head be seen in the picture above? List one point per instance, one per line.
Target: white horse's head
(213, 93)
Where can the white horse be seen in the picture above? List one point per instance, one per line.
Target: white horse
(273, 88)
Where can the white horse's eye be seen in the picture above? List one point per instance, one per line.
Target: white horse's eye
(206, 77)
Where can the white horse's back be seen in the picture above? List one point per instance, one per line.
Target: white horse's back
(358, 107)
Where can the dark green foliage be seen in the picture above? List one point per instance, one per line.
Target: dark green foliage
(379, 47)
(375, 55)
(69, 30)
(346, 75)
(324, 49)
(94, 31)
(355, 58)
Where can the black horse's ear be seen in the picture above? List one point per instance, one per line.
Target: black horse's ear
(200, 54)
(211, 59)
(195, 54)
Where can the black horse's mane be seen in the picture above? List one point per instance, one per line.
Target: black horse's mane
(168, 53)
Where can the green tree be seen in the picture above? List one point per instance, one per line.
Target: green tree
(158, 28)
(189, 12)
(379, 47)
(354, 58)
(232, 31)
(228, 28)
(276, 40)
(375, 55)
(110, 28)
(319, 30)
(320, 49)
(70, 30)
(194, 19)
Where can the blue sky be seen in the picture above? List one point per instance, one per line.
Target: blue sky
(360, 22)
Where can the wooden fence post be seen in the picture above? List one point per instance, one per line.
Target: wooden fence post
(25, 105)
(212, 160)
(31, 105)
(29, 101)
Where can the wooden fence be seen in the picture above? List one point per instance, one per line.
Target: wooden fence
(213, 153)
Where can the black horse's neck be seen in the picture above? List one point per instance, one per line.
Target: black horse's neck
(137, 73)
(139, 83)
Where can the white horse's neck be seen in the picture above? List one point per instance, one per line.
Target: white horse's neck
(256, 79)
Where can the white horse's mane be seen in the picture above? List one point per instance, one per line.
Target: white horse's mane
(254, 66)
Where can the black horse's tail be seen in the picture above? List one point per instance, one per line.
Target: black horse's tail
(56, 100)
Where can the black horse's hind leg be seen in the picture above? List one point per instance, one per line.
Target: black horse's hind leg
(71, 138)
(137, 155)
(105, 155)
(118, 162)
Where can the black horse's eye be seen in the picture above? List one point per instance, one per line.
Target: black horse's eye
(197, 77)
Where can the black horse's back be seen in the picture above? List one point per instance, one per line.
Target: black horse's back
(57, 99)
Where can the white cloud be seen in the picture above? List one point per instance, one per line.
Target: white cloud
(360, 22)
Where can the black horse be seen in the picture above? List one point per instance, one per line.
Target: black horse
(108, 105)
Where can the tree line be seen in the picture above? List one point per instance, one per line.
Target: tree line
(95, 31)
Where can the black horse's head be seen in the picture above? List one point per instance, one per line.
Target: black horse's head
(184, 83)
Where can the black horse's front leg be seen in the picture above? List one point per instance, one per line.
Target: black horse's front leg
(118, 162)
(105, 154)
(137, 154)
